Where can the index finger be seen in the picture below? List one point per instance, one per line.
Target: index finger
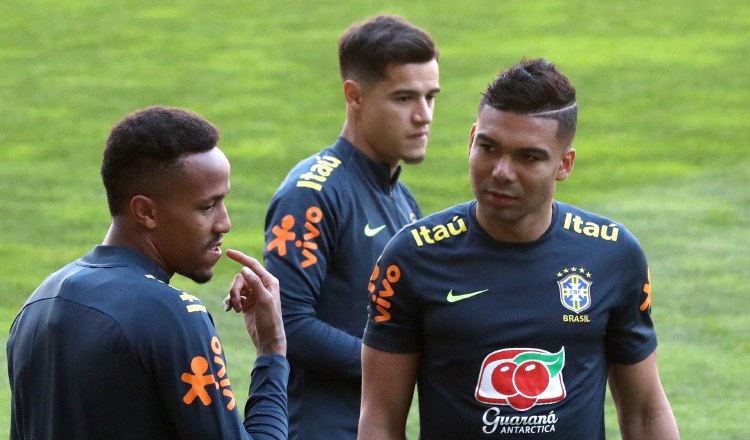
(254, 265)
(241, 258)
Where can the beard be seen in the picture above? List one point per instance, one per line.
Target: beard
(201, 277)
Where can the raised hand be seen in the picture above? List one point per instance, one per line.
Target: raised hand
(255, 293)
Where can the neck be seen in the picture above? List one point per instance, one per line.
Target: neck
(124, 236)
(514, 230)
(350, 134)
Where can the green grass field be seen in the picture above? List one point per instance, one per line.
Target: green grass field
(662, 142)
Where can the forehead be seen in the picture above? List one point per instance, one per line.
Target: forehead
(411, 76)
(204, 174)
(514, 129)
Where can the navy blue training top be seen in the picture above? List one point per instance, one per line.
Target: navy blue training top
(326, 226)
(106, 348)
(514, 338)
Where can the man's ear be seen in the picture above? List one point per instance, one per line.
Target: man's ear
(566, 165)
(352, 92)
(471, 135)
(143, 210)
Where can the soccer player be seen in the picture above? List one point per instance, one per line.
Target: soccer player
(106, 348)
(335, 211)
(512, 311)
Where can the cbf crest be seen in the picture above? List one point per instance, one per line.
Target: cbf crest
(575, 289)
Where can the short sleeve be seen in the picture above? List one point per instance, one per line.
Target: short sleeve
(630, 334)
(394, 321)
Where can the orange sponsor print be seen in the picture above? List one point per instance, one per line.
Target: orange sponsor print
(283, 234)
(646, 304)
(199, 380)
(382, 304)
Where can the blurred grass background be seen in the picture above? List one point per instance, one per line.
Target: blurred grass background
(662, 142)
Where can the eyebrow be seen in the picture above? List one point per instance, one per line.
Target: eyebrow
(485, 138)
(407, 91)
(526, 150)
(216, 197)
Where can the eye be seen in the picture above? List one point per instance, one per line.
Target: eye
(535, 157)
(487, 148)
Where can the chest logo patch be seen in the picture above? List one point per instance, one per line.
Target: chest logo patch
(371, 232)
(521, 378)
(575, 289)
(454, 297)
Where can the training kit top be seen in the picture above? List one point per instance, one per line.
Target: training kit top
(325, 228)
(106, 348)
(514, 338)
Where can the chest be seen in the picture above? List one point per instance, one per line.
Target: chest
(369, 221)
(533, 299)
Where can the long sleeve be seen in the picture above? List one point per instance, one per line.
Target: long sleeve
(302, 232)
(266, 408)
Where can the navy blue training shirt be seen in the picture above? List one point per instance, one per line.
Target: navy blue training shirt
(106, 348)
(514, 338)
(326, 226)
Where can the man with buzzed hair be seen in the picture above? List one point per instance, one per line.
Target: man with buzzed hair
(512, 311)
(335, 211)
(105, 348)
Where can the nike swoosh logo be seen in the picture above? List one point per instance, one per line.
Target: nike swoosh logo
(371, 232)
(454, 298)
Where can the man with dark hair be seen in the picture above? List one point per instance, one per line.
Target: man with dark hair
(335, 211)
(106, 348)
(510, 312)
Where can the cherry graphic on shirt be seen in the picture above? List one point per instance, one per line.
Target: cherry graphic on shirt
(531, 378)
(521, 378)
(520, 402)
(502, 378)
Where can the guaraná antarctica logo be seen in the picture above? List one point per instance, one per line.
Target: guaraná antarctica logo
(521, 378)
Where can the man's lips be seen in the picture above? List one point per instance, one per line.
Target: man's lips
(501, 196)
(216, 247)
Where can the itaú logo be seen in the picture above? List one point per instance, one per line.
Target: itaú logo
(521, 378)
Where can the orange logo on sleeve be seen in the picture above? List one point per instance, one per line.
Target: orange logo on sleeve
(382, 304)
(283, 234)
(646, 304)
(198, 380)
(223, 378)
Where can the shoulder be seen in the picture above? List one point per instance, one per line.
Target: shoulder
(317, 173)
(441, 226)
(131, 297)
(322, 180)
(595, 229)
(157, 317)
(458, 214)
(122, 298)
